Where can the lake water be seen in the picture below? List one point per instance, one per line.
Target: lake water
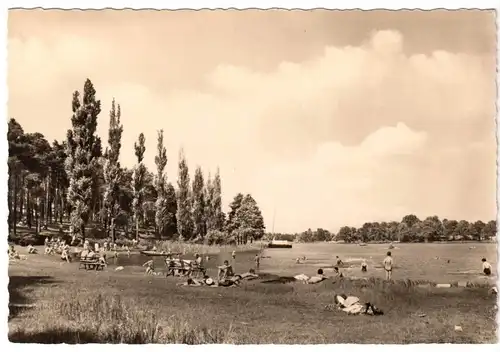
(411, 260)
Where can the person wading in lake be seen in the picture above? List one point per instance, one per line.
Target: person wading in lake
(486, 267)
(388, 262)
(339, 261)
(364, 266)
(257, 261)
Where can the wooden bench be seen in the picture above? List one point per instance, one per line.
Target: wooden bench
(176, 267)
(91, 264)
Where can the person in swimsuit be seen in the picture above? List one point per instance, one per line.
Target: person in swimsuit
(486, 267)
(364, 266)
(318, 278)
(225, 270)
(337, 272)
(257, 261)
(388, 262)
(339, 261)
(150, 269)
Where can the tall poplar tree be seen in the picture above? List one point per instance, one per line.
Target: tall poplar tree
(83, 149)
(161, 204)
(217, 214)
(184, 205)
(112, 170)
(199, 220)
(138, 178)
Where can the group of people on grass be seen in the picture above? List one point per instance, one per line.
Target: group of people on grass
(388, 265)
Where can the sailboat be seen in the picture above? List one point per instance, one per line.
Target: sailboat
(278, 243)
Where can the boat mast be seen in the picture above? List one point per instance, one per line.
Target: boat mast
(274, 218)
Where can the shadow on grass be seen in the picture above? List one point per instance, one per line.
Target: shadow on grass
(17, 298)
(54, 336)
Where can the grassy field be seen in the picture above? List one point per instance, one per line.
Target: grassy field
(54, 302)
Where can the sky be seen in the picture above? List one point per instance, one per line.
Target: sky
(328, 118)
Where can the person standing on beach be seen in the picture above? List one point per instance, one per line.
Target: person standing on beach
(257, 261)
(388, 262)
(233, 255)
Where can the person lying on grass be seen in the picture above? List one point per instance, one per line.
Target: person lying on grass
(249, 275)
(313, 279)
(225, 270)
(208, 281)
(31, 249)
(351, 305)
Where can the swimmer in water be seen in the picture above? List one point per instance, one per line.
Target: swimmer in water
(364, 266)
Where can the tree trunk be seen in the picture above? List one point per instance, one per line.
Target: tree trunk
(9, 200)
(28, 210)
(22, 199)
(82, 231)
(14, 213)
(136, 226)
(112, 230)
(61, 207)
(37, 215)
(46, 210)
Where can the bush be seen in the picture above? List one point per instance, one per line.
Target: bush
(215, 237)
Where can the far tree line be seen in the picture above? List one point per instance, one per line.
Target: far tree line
(75, 182)
(409, 229)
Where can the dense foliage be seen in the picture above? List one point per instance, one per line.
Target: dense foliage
(73, 182)
(410, 229)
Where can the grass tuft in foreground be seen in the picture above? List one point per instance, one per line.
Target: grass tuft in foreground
(110, 320)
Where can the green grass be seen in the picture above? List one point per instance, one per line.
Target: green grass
(74, 306)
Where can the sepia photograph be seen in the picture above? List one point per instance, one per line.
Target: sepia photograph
(252, 176)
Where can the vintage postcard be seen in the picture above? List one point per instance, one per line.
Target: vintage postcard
(252, 177)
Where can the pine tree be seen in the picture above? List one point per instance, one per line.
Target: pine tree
(184, 205)
(112, 170)
(138, 178)
(199, 220)
(83, 147)
(161, 212)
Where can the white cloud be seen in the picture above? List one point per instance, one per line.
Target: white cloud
(330, 141)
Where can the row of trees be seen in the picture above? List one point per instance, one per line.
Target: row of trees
(76, 182)
(410, 229)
